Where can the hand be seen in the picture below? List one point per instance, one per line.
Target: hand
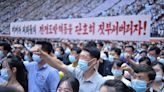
(126, 67)
(127, 56)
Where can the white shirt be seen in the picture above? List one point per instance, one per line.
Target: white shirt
(125, 81)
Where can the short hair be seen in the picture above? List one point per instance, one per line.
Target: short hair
(72, 81)
(117, 50)
(157, 50)
(118, 85)
(46, 46)
(118, 63)
(93, 51)
(91, 44)
(61, 49)
(129, 46)
(148, 62)
(100, 43)
(145, 69)
(144, 44)
(76, 49)
(160, 64)
(6, 46)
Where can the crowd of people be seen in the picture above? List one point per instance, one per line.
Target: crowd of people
(44, 65)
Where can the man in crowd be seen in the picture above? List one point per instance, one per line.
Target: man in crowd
(142, 78)
(153, 53)
(42, 77)
(5, 49)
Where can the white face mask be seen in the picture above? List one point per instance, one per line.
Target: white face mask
(161, 60)
(158, 76)
(4, 74)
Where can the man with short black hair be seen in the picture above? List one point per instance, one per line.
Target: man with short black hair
(5, 49)
(142, 78)
(42, 77)
(153, 53)
(116, 52)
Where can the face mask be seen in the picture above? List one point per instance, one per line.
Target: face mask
(72, 59)
(117, 72)
(4, 74)
(29, 45)
(158, 77)
(161, 60)
(26, 58)
(110, 58)
(1, 54)
(83, 65)
(152, 58)
(36, 58)
(57, 53)
(139, 85)
(108, 46)
(68, 51)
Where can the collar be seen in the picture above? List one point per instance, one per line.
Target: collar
(43, 67)
(93, 78)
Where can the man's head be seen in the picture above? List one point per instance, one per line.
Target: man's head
(153, 52)
(45, 46)
(143, 77)
(17, 48)
(88, 58)
(74, 56)
(100, 45)
(144, 46)
(115, 52)
(5, 48)
(59, 51)
(129, 49)
(144, 60)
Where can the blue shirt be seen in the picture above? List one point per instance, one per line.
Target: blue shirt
(44, 79)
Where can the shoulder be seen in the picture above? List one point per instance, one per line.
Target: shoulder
(52, 70)
(18, 87)
(30, 63)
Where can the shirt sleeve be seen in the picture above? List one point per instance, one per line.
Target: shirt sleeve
(75, 72)
(53, 80)
(71, 71)
(28, 65)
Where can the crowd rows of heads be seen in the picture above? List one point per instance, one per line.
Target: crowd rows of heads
(144, 59)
